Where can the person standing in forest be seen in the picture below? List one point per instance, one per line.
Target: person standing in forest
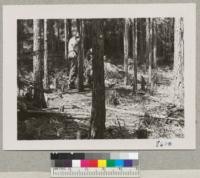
(88, 68)
(72, 55)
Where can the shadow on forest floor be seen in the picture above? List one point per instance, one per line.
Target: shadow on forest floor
(128, 116)
(60, 127)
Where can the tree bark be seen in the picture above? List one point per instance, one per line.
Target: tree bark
(51, 36)
(66, 31)
(135, 55)
(38, 97)
(98, 112)
(57, 34)
(154, 44)
(80, 55)
(147, 43)
(164, 44)
(141, 41)
(179, 63)
(46, 77)
(19, 45)
(19, 38)
(149, 29)
(126, 49)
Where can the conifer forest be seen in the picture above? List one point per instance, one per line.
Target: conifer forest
(100, 78)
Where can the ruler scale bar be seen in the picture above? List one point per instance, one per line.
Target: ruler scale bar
(94, 172)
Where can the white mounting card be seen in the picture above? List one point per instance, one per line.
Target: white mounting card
(160, 115)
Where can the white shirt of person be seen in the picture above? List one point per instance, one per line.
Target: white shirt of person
(73, 46)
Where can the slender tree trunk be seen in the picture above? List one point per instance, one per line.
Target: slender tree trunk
(66, 31)
(19, 45)
(141, 41)
(135, 55)
(51, 36)
(70, 28)
(98, 112)
(150, 52)
(154, 43)
(46, 77)
(164, 45)
(147, 42)
(126, 50)
(19, 38)
(57, 33)
(38, 97)
(81, 55)
(179, 63)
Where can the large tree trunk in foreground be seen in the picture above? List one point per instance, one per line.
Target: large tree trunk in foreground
(98, 113)
(81, 55)
(126, 48)
(135, 55)
(38, 97)
(179, 63)
(46, 77)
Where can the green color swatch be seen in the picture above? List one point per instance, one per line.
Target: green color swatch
(110, 163)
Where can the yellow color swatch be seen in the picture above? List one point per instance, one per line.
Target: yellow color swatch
(101, 163)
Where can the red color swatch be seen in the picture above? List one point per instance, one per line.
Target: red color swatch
(93, 163)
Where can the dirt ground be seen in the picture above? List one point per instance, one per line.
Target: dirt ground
(128, 116)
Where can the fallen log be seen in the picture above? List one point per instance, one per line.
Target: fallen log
(144, 114)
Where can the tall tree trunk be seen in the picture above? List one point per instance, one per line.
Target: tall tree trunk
(147, 43)
(38, 97)
(135, 55)
(98, 112)
(126, 49)
(179, 62)
(19, 45)
(46, 77)
(66, 31)
(70, 28)
(51, 36)
(149, 29)
(154, 43)
(80, 55)
(57, 33)
(164, 44)
(141, 41)
(19, 38)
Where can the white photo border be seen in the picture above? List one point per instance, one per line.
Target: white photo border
(13, 12)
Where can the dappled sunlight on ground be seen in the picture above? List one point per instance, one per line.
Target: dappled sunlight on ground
(142, 115)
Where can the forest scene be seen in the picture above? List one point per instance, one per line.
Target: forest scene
(100, 78)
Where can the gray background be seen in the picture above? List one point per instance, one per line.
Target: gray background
(39, 160)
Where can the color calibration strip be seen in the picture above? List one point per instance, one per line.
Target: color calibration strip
(94, 163)
(112, 164)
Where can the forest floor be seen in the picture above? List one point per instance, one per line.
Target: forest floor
(128, 115)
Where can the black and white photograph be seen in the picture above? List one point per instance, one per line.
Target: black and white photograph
(103, 78)
(100, 78)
